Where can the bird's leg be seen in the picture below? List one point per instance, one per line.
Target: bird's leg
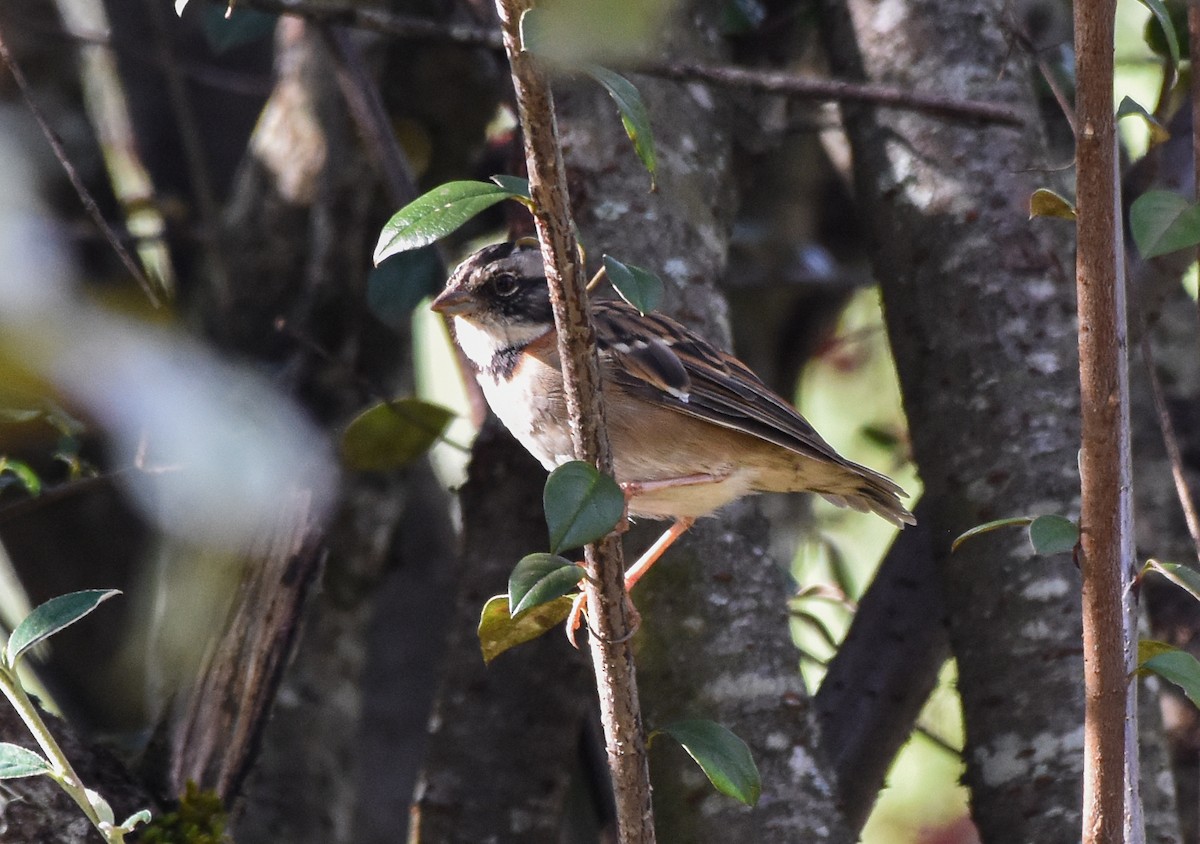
(632, 575)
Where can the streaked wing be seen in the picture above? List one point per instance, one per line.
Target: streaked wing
(662, 362)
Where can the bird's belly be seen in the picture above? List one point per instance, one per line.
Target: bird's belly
(537, 418)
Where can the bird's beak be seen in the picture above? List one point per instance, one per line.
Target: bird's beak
(453, 301)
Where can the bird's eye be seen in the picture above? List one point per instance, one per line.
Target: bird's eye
(505, 285)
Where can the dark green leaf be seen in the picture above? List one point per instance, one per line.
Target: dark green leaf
(1178, 667)
(540, 578)
(1163, 222)
(640, 288)
(390, 435)
(243, 26)
(1053, 535)
(581, 505)
(987, 527)
(1131, 108)
(399, 284)
(515, 185)
(1167, 27)
(499, 630)
(1149, 648)
(51, 617)
(742, 17)
(435, 215)
(1182, 576)
(724, 758)
(1046, 203)
(634, 115)
(17, 761)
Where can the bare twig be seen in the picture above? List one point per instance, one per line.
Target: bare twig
(1111, 805)
(612, 655)
(89, 203)
(1171, 442)
(802, 87)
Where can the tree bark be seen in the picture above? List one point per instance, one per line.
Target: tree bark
(980, 314)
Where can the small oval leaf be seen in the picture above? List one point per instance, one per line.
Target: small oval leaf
(1046, 203)
(499, 630)
(436, 214)
(581, 505)
(987, 527)
(540, 578)
(1178, 667)
(51, 617)
(1182, 576)
(634, 116)
(1130, 107)
(639, 287)
(724, 758)
(1053, 535)
(17, 761)
(1163, 222)
(392, 434)
(100, 805)
(142, 816)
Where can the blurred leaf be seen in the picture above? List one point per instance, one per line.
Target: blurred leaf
(392, 434)
(1053, 535)
(1148, 648)
(575, 33)
(724, 758)
(136, 819)
(1178, 667)
(640, 288)
(436, 214)
(1131, 108)
(515, 185)
(540, 578)
(987, 527)
(634, 116)
(180, 5)
(17, 761)
(22, 473)
(1163, 222)
(50, 618)
(100, 805)
(1184, 577)
(243, 26)
(398, 285)
(1046, 203)
(499, 630)
(1165, 41)
(741, 17)
(581, 505)
(888, 438)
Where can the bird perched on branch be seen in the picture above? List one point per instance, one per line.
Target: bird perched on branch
(691, 427)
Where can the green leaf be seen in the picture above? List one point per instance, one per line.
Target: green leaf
(23, 474)
(392, 434)
(634, 115)
(17, 761)
(640, 288)
(399, 284)
(436, 214)
(1178, 667)
(499, 630)
(724, 758)
(1053, 535)
(540, 578)
(515, 185)
(1131, 108)
(581, 505)
(100, 806)
(1149, 648)
(1046, 203)
(51, 617)
(139, 817)
(1184, 577)
(1159, 10)
(987, 527)
(1163, 222)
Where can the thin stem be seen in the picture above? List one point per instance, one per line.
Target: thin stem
(612, 656)
(64, 773)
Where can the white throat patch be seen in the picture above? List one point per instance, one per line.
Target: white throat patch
(481, 343)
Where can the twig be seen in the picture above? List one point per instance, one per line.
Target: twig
(791, 84)
(1111, 803)
(85, 196)
(612, 656)
(418, 29)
